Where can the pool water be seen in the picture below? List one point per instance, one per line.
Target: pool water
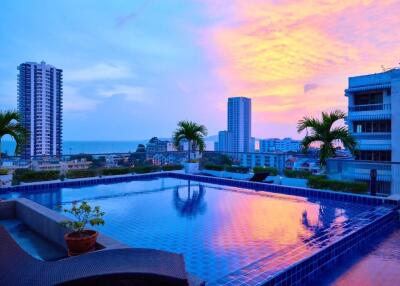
(218, 229)
(33, 243)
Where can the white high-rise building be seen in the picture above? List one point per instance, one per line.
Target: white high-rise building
(239, 123)
(40, 108)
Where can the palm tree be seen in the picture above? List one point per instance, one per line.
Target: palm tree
(323, 132)
(193, 133)
(10, 125)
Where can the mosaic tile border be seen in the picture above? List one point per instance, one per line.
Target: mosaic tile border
(307, 259)
(308, 268)
(83, 182)
(288, 190)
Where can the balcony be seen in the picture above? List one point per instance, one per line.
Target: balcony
(370, 107)
(381, 111)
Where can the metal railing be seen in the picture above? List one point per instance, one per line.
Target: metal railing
(388, 173)
(370, 107)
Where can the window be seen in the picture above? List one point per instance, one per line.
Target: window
(374, 155)
(368, 98)
(372, 126)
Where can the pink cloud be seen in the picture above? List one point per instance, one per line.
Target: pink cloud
(271, 50)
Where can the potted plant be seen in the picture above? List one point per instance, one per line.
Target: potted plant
(80, 240)
(193, 134)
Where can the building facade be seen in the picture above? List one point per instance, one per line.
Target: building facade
(40, 107)
(280, 145)
(239, 123)
(225, 140)
(156, 145)
(374, 120)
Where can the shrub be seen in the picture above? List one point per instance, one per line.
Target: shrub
(24, 175)
(74, 174)
(146, 169)
(300, 174)
(237, 169)
(116, 171)
(3, 172)
(172, 167)
(84, 214)
(321, 182)
(271, 170)
(214, 167)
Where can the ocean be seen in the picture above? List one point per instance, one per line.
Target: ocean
(93, 147)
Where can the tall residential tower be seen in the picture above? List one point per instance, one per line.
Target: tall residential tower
(40, 108)
(239, 123)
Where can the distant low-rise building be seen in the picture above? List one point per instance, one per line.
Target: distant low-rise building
(280, 145)
(156, 145)
(303, 164)
(63, 166)
(276, 160)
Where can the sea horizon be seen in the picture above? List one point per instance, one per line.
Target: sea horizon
(71, 147)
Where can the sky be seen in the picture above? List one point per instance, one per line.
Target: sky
(133, 69)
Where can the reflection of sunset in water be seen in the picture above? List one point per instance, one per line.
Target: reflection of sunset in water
(218, 229)
(272, 222)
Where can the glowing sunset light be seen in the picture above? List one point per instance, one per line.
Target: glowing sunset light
(155, 63)
(294, 57)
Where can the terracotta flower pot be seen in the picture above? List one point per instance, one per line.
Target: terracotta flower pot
(81, 242)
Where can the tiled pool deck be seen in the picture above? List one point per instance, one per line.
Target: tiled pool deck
(290, 266)
(377, 264)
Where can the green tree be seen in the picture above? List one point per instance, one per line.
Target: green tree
(141, 148)
(10, 125)
(323, 132)
(193, 133)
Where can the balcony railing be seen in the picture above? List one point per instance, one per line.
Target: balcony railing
(370, 107)
(359, 170)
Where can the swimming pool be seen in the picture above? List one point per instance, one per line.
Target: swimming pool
(224, 232)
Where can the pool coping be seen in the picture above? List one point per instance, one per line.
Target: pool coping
(46, 222)
(271, 270)
(309, 267)
(257, 186)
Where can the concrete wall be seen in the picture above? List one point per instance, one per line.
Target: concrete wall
(395, 135)
(45, 222)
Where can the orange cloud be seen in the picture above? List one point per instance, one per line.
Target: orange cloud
(269, 51)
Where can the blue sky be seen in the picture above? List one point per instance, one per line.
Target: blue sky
(132, 69)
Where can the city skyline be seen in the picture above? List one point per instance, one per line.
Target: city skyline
(152, 65)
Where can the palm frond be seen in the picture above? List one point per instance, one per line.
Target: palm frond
(308, 122)
(323, 131)
(343, 135)
(330, 118)
(10, 125)
(308, 140)
(190, 131)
